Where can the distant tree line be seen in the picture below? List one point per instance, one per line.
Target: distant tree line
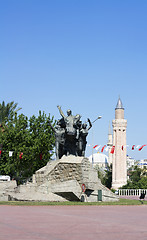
(26, 144)
(137, 179)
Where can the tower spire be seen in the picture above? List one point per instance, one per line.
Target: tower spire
(119, 104)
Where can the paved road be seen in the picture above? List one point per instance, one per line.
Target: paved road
(73, 222)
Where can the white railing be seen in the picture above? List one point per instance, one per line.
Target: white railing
(131, 192)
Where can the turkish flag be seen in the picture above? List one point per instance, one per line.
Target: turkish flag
(141, 147)
(133, 147)
(112, 149)
(103, 148)
(95, 146)
(40, 156)
(20, 156)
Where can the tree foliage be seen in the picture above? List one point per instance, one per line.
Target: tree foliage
(31, 141)
(106, 176)
(138, 179)
(7, 111)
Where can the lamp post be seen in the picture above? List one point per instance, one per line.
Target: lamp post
(99, 117)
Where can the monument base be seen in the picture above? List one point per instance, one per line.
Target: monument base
(70, 178)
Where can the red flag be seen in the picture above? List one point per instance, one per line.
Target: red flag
(122, 147)
(133, 147)
(141, 147)
(20, 155)
(112, 149)
(40, 156)
(95, 146)
(103, 148)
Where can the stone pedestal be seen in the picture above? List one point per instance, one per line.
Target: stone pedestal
(62, 180)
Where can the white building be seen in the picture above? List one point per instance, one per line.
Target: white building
(130, 162)
(100, 160)
(142, 163)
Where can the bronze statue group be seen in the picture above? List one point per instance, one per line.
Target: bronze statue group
(70, 135)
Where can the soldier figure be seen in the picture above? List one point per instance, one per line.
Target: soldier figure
(82, 138)
(60, 139)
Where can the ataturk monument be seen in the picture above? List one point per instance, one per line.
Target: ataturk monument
(70, 135)
(71, 176)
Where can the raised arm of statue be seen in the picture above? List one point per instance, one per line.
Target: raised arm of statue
(90, 124)
(61, 112)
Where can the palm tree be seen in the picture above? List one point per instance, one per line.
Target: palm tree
(7, 111)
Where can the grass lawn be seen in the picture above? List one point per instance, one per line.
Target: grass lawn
(120, 202)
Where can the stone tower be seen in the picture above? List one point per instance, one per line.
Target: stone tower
(119, 169)
(110, 144)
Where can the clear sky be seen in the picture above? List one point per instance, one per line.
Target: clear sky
(81, 55)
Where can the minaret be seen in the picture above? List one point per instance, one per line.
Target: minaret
(119, 169)
(110, 144)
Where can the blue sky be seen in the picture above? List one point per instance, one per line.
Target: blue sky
(81, 55)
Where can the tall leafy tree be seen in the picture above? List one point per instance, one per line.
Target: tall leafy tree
(30, 140)
(7, 111)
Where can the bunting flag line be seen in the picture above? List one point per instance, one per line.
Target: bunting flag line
(11, 153)
(96, 147)
(105, 147)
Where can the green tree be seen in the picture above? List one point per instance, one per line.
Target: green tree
(106, 176)
(7, 111)
(137, 179)
(31, 142)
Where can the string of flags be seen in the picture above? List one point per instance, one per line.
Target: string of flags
(106, 148)
(21, 154)
(11, 154)
(96, 147)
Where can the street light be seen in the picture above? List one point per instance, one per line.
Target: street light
(99, 117)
